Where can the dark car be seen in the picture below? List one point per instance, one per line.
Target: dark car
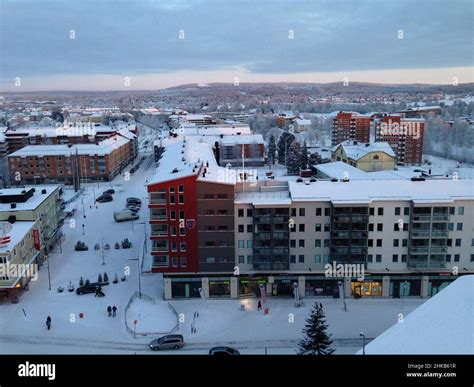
(167, 342)
(109, 191)
(88, 288)
(223, 351)
(134, 201)
(104, 198)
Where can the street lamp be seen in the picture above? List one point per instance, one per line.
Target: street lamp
(49, 273)
(363, 342)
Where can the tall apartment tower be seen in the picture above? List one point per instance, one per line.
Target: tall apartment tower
(405, 136)
(350, 126)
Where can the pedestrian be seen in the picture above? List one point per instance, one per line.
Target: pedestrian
(259, 305)
(48, 322)
(114, 311)
(109, 310)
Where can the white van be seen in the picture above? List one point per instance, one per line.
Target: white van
(124, 215)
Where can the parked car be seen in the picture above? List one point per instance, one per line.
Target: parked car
(132, 207)
(223, 351)
(88, 288)
(134, 200)
(104, 198)
(167, 342)
(109, 191)
(124, 215)
(81, 246)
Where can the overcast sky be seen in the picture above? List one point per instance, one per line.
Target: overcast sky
(255, 40)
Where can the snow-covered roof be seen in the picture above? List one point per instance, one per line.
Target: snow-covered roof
(277, 198)
(366, 191)
(214, 130)
(301, 121)
(103, 148)
(339, 170)
(17, 234)
(442, 325)
(32, 203)
(357, 150)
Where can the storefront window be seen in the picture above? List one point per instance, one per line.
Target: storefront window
(321, 287)
(251, 286)
(219, 288)
(367, 289)
(185, 288)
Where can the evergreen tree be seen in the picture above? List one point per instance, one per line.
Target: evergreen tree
(316, 341)
(304, 157)
(99, 279)
(81, 282)
(294, 159)
(284, 144)
(106, 277)
(271, 150)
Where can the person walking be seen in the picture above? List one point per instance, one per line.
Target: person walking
(114, 311)
(48, 322)
(109, 310)
(259, 305)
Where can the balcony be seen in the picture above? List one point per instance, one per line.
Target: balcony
(444, 217)
(419, 249)
(439, 233)
(420, 233)
(422, 218)
(439, 249)
(360, 218)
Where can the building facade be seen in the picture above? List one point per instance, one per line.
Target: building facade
(350, 126)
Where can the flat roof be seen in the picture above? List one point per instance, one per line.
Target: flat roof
(19, 230)
(32, 203)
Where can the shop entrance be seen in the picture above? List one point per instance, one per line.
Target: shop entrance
(367, 289)
(251, 287)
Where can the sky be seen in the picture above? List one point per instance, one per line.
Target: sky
(153, 44)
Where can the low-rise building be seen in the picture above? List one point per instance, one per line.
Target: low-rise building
(378, 156)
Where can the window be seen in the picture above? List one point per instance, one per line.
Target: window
(221, 212)
(370, 258)
(241, 259)
(301, 243)
(180, 188)
(293, 243)
(172, 215)
(172, 190)
(456, 257)
(173, 230)
(160, 245)
(240, 228)
(249, 243)
(450, 226)
(184, 262)
(222, 228)
(448, 257)
(458, 242)
(182, 231)
(371, 211)
(327, 227)
(182, 247)
(461, 211)
(160, 260)
(397, 210)
(222, 196)
(301, 258)
(396, 242)
(250, 259)
(210, 259)
(301, 227)
(240, 213)
(317, 258)
(406, 211)
(301, 211)
(181, 199)
(449, 242)
(371, 227)
(379, 227)
(472, 242)
(317, 227)
(317, 243)
(472, 257)
(241, 244)
(326, 243)
(208, 196)
(378, 258)
(249, 213)
(370, 242)
(293, 212)
(327, 212)
(318, 212)
(459, 227)
(174, 246)
(396, 227)
(209, 212)
(452, 210)
(174, 261)
(325, 258)
(394, 258)
(379, 242)
(405, 242)
(249, 228)
(292, 258)
(182, 215)
(380, 211)
(172, 199)
(404, 257)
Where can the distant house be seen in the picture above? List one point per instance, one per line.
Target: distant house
(302, 125)
(366, 157)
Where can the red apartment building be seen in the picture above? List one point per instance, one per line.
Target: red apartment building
(350, 126)
(405, 136)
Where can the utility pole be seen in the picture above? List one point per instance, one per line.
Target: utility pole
(363, 342)
(49, 273)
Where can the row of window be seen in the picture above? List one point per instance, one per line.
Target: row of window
(161, 214)
(214, 196)
(162, 230)
(163, 260)
(164, 245)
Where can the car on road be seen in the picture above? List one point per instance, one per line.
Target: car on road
(124, 215)
(134, 200)
(167, 342)
(87, 288)
(104, 198)
(223, 350)
(109, 191)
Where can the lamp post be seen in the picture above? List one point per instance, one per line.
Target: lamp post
(363, 342)
(49, 273)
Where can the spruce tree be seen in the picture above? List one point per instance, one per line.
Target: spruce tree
(317, 341)
(271, 150)
(99, 278)
(106, 277)
(294, 159)
(284, 144)
(304, 156)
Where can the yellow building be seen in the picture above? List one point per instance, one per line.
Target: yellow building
(378, 156)
(19, 254)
